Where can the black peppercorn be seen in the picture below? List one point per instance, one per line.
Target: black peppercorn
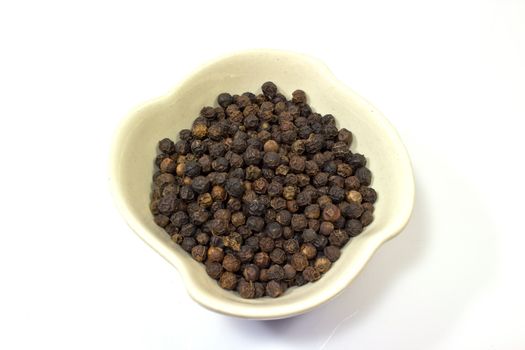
(278, 256)
(354, 227)
(337, 194)
(368, 194)
(298, 97)
(161, 220)
(225, 99)
(326, 228)
(338, 238)
(269, 89)
(274, 289)
(276, 272)
(246, 289)
(366, 218)
(228, 280)
(274, 230)
(215, 254)
(299, 261)
(231, 263)
(234, 187)
(332, 253)
(310, 274)
(251, 273)
(213, 269)
(364, 175)
(299, 222)
(261, 259)
(266, 244)
(188, 243)
(166, 146)
(199, 253)
(167, 205)
(331, 213)
(309, 235)
(200, 184)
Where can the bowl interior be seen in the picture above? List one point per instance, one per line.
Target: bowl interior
(135, 149)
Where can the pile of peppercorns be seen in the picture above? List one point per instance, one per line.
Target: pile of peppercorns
(263, 191)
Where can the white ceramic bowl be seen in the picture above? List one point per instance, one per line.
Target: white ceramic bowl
(135, 147)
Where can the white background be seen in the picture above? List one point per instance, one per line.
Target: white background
(450, 75)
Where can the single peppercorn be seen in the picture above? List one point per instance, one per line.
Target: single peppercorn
(263, 275)
(312, 211)
(299, 261)
(291, 246)
(284, 217)
(199, 253)
(366, 218)
(274, 289)
(261, 259)
(368, 194)
(278, 203)
(260, 289)
(246, 289)
(331, 213)
(320, 242)
(200, 184)
(276, 272)
(274, 230)
(338, 238)
(299, 222)
(188, 243)
(166, 146)
(246, 252)
(364, 175)
(224, 99)
(309, 235)
(352, 210)
(199, 130)
(269, 89)
(251, 273)
(354, 196)
(234, 187)
(332, 253)
(271, 159)
(289, 272)
(213, 269)
(260, 185)
(278, 256)
(299, 96)
(326, 228)
(231, 263)
(354, 227)
(308, 250)
(352, 183)
(266, 244)
(161, 220)
(215, 254)
(168, 165)
(202, 238)
(228, 280)
(271, 146)
(311, 274)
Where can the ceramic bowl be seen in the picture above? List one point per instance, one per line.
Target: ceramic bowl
(135, 146)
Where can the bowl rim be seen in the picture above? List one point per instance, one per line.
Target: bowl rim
(164, 250)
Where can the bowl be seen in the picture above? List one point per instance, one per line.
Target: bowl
(135, 146)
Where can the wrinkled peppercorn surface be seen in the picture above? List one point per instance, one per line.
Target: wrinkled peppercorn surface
(263, 191)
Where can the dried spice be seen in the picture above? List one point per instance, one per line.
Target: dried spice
(263, 191)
